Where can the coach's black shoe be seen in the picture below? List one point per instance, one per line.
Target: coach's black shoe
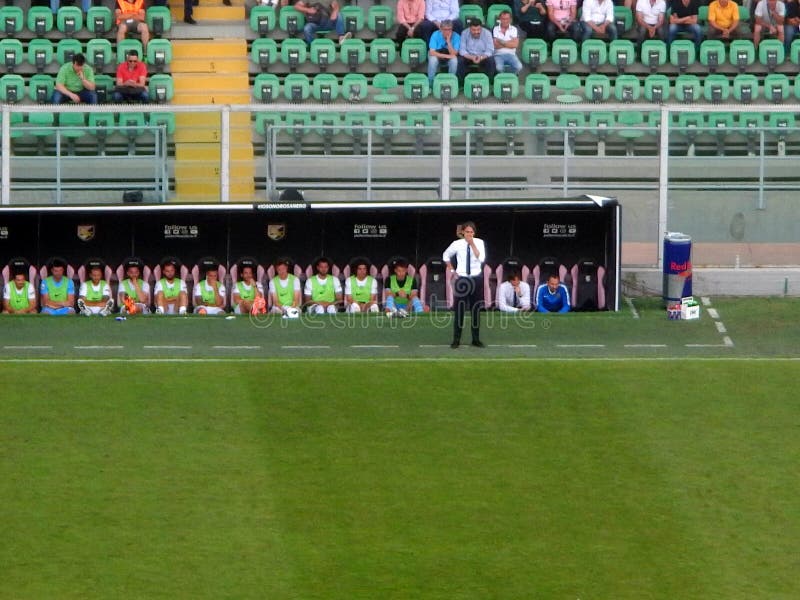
(478, 344)
(189, 20)
(455, 344)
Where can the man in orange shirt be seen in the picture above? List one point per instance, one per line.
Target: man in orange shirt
(723, 21)
(131, 19)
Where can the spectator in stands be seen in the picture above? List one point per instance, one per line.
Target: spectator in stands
(361, 289)
(552, 296)
(506, 42)
(444, 45)
(94, 296)
(131, 80)
(476, 50)
(723, 20)
(284, 288)
(598, 19)
(57, 290)
(791, 22)
(650, 20)
(402, 292)
(321, 14)
(410, 16)
(19, 295)
(514, 295)
(134, 293)
(75, 82)
(531, 17)
(323, 291)
(562, 19)
(246, 290)
(170, 290)
(130, 15)
(85, 5)
(683, 19)
(437, 12)
(770, 16)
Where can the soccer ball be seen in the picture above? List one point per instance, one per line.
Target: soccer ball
(292, 313)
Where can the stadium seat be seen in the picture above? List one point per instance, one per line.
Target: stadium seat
(543, 123)
(262, 19)
(594, 54)
(546, 266)
(588, 292)
(771, 54)
(353, 53)
(414, 53)
(420, 126)
(355, 126)
(656, 88)
(712, 54)
(387, 126)
(126, 46)
(99, 54)
(40, 54)
(570, 86)
(12, 88)
(534, 53)
(623, 17)
(296, 87)
(298, 126)
(159, 54)
(627, 88)
(384, 82)
(71, 126)
(380, 19)
(537, 87)
(687, 125)
(40, 20)
(597, 88)
(266, 87)
(445, 87)
(631, 128)
(353, 17)
(101, 125)
(293, 53)
(505, 87)
(621, 54)
(682, 54)
(780, 125)
(40, 88)
(493, 14)
(654, 54)
(564, 53)
(161, 88)
(600, 122)
(104, 86)
(265, 121)
(41, 124)
(325, 88)
(687, 88)
(355, 87)
(322, 53)
(510, 122)
(467, 12)
(478, 122)
(167, 120)
(328, 125)
(572, 124)
(11, 53)
(797, 87)
(99, 20)
(159, 20)
(291, 20)
(751, 126)
(776, 87)
(416, 87)
(69, 20)
(724, 124)
(12, 20)
(716, 88)
(742, 54)
(794, 52)
(382, 53)
(476, 87)
(131, 125)
(66, 49)
(264, 53)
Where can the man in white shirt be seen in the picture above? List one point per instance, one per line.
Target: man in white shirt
(94, 295)
(323, 291)
(209, 294)
(513, 295)
(598, 19)
(170, 291)
(506, 41)
(651, 20)
(770, 15)
(470, 254)
(284, 289)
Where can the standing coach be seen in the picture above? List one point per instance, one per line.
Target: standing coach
(470, 254)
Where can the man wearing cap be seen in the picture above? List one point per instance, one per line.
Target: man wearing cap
(209, 294)
(323, 291)
(19, 296)
(284, 288)
(134, 293)
(94, 296)
(402, 293)
(170, 290)
(361, 289)
(246, 289)
(57, 290)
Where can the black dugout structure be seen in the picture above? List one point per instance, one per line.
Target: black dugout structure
(573, 230)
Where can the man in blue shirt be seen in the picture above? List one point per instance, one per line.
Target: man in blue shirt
(57, 291)
(444, 45)
(477, 50)
(552, 296)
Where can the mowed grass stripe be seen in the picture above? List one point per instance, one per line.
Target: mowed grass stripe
(647, 479)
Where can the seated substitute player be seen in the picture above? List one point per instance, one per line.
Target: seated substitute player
(284, 289)
(170, 290)
(57, 290)
(402, 293)
(209, 294)
(19, 295)
(361, 289)
(552, 296)
(134, 292)
(94, 296)
(323, 291)
(513, 295)
(246, 290)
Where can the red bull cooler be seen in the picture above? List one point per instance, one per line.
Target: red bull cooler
(677, 267)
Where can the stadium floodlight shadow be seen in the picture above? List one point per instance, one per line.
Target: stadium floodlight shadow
(588, 285)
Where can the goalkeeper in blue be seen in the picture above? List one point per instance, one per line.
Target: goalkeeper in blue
(552, 296)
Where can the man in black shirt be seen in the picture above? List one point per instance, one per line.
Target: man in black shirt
(684, 20)
(791, 22)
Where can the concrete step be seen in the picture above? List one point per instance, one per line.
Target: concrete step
(222, 48)
(208, 82)
(208, 171)
(238, 119)
(209, 65)
(211, 152)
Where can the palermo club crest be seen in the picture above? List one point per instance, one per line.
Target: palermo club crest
(85, 232)
(276, 231)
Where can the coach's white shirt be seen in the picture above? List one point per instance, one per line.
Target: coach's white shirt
(459, 250)
(505, 297)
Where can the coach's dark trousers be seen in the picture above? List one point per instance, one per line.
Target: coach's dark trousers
(468, 295)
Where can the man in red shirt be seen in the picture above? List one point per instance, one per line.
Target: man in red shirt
(130, 16)
(131, 80)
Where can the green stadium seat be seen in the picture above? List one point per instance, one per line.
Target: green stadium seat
(751, 126)
(40, 88)
(687, 125)
(99, 54)
(12, 21)
(771, 54)
(654, 54)
(264, 53)
(387, 124)
(537, 87)
(40, 20)
(794, 52)
(66, 49)
(623, 17)
(159, 20)
(353, 17)
(457, 122)
(742, 54)
(505, 87)
(293, 53)
(323, 53)
(69, 20)
(325, 87)
(101, 125)
(564, 53)
(291, 20)
(262, 19)
(510, 124)
(631, 125)
(416, 87)
(543, 123)
(414, 53)
(702, 16)
(380, 19)
(355, 87)
(716, 88)
(298, 124)
(382, 53)
(467, 12)
(478, 122)
(797, 87)
(682, 54)
(355, 126)
(493, 14)
(161, 88)
(687, 88)
(723, 124)
(712, 54)
(627, 88)
(534, 53)
(656, 88)
(776, 88)
(420, 125)
(126, 46)
(621, 54)
(745, 88)
(328, 124)
(597, 88)
(573, 122)
(131, 125)
(104, 86)
(477, 87)
(384, 82)
(11, 54)
(266, 87)
(166, 119)
(296, 87)
(12, 88)
(40, 54)
(570, 85)
(353, 53)
(159, 54)
(445, 87)
(744, 14)
(781, 125)
(99, 20)
(71, 126)
(751, 120)
(594, 54)
(600, 122)
(42, 123)
(267, 120)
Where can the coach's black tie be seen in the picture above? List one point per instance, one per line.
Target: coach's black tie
(516, 298)
(469, 268)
